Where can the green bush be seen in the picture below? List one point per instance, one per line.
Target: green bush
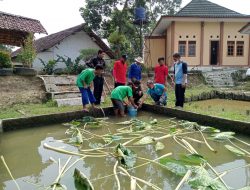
(5, 60)
(49, 67)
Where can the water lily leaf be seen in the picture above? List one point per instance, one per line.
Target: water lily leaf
(209, 129)
(96, 145)
(154, 121)
(82, 180)
(126, 156)
(75, 123)
(172, 130)
(60, 187)
(235, 150)
(159, 146)
(189, 125)
(223, 135)
(203, 181)
(175, 166)
(111, 138)
(145, 140)
(192, 159)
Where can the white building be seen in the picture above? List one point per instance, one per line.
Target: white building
(67, 43)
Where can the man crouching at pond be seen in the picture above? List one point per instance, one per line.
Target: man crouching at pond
(157, 92)
(117, 97)
(84, 80)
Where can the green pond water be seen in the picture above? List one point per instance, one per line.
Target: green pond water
(31, 166)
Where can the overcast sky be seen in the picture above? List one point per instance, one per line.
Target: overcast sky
(57, 15)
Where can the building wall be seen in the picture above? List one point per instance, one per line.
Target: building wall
(188, 31)
(168, 42)
(211, 33)
(154, 48)
(231, 34)
(70, 47)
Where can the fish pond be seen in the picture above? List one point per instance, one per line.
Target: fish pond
(147, 152)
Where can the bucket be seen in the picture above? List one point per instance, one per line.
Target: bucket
(132, 112)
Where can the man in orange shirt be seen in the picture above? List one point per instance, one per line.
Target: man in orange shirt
(120, 71)
(161, 72)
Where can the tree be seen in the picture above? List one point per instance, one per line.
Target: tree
(110, 18)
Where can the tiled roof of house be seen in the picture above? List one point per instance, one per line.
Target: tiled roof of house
(20, 23)
(204, 8)
(49, 41)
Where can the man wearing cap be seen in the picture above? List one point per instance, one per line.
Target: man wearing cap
(120, 71)
(135, 70)
(157, 92)
(161, 72)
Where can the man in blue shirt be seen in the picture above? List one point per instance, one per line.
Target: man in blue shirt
(135, 70)
(180, 78)
(157, 92)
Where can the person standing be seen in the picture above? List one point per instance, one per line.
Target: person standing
(161, 72)
(157, 92)
(84, 80)
(135, 70)
(180, 79)
(117, 97)
(120, 71)
(98, 80)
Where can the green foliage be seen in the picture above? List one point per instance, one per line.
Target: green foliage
(49, 67)
(5, 60)
(72, 66)
(81, 181)
(126, 156)
(28, 52)
(108, 16)
(87, 54)
(223, 136)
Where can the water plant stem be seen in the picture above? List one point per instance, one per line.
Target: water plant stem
(7, 168)
(116, 177)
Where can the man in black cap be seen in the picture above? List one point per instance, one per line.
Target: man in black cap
(120, 71)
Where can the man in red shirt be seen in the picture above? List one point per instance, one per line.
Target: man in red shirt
(161, 72)
(120, 71)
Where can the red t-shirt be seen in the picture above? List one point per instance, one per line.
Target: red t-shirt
(120, 71)
(161, 71)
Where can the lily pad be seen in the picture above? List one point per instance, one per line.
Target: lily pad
(159, 146)
(235, 150)
(82, 180)
(223, 135)
(145, 140)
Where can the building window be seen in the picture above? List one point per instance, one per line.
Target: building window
(240, 48)
(230, 48)
(191, 48)
(182, 48)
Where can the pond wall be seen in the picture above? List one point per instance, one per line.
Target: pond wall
(41, 120)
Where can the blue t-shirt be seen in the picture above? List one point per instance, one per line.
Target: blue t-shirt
(179, 71)
(135, 71)
(157, 90)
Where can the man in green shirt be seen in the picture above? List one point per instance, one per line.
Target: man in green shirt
(117, 97)
(84, 80)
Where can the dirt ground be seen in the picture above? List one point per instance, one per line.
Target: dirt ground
(19, 89)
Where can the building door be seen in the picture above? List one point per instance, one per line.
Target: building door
(214, 53)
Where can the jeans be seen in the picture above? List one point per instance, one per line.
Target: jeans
(87, 96)
(179, 95)
(159, 99)
(98, 88)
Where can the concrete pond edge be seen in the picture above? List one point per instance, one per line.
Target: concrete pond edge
(48, 119)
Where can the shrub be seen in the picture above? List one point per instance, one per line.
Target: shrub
(28, 52)
(49, 67)
(72, 66)
(5, 60)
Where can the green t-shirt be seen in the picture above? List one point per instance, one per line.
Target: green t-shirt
(121, 92)
(86, 76)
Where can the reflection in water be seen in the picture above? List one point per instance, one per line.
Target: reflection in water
(29, 161)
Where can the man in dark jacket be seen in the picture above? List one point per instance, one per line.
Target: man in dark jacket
(98, 80)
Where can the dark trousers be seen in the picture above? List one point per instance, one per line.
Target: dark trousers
(179, 95)
(119, 84)
(137, 98)
(98, 88)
